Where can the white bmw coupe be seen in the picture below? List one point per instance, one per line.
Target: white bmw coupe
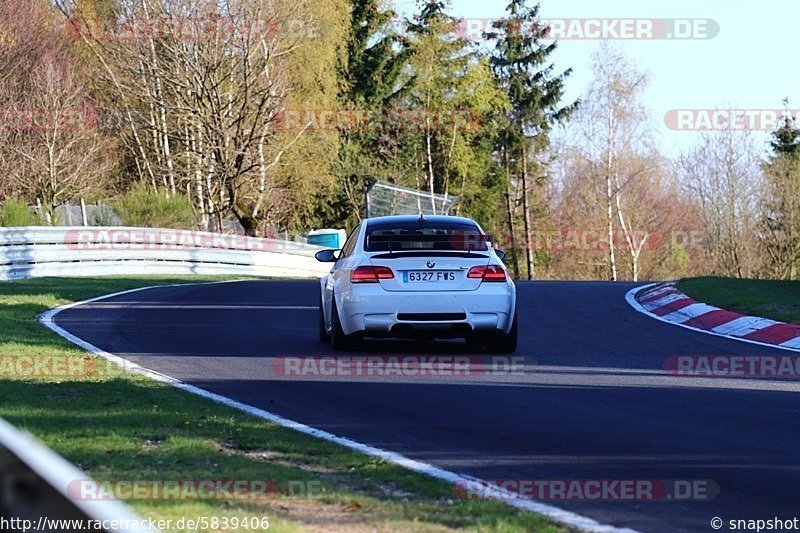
(421, 277)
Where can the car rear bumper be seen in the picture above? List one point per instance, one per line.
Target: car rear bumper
(377, 312)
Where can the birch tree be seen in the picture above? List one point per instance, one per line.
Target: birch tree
(614, 139)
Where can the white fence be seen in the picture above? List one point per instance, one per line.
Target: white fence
(95, 251)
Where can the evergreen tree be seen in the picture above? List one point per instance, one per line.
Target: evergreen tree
(520, 64)
(786, 140)
(781, 206)
(374, 57)
(370, 74)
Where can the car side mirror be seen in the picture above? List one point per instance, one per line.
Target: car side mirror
(327, 256)
(501, 254)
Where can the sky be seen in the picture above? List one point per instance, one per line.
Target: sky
(749, 64)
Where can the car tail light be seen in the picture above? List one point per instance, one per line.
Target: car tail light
(487, 273)
(370, 274)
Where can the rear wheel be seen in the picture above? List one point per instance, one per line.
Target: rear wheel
(506, 342)
(324, 336)
(339, 340)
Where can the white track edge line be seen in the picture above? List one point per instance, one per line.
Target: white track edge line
(630, 297)
(557, 515)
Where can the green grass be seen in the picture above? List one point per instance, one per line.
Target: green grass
(120, 427)
(778, 300)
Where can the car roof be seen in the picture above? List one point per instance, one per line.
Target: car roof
(407, 219)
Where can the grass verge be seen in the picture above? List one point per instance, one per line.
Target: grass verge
(778, 300)
(126, 428)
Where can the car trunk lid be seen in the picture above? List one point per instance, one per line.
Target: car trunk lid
(430, 271)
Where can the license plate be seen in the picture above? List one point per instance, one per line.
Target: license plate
(428, 276)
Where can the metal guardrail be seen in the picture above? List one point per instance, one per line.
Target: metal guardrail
(34, 481)
(95, 251)
(35, 493)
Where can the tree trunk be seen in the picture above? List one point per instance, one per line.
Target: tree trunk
(526, 215)
(248, 223)
(510, 219)
(610, 197)
(429, 149)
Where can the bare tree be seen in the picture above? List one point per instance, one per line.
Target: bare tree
(52, 149)
(723, 174)
(200, 94)
(661, 220)
(28, 31)
(59, 152)
(613, 146)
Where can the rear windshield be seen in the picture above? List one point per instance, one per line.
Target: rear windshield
(400, 236)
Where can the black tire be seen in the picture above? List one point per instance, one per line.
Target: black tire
(324, 336)
(339, 340)
(506, 342)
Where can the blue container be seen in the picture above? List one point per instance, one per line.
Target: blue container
(326, 240)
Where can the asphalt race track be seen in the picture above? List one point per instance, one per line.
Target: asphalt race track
(593, 402)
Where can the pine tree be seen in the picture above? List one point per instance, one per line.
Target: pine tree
(786, 139)
(520, 64)
(374, 56)
(370, 72)
(781, 224)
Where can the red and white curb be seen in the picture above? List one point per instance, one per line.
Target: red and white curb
(560, 516)
(665, 302)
